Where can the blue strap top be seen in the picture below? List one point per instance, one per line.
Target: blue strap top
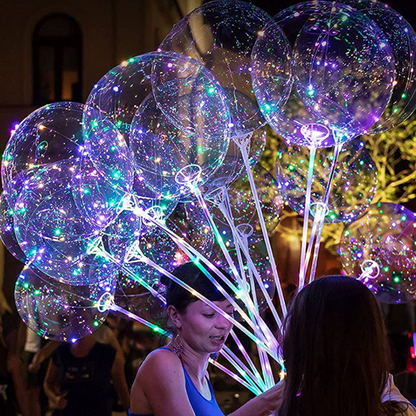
(200, 405)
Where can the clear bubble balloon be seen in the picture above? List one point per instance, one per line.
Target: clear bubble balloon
(122, 233)
(59, 311)
(380, 249)
(137, 300)
(260, 259)
(146, 199)
(221, 35)
(189, 224)
(238, 202)
(169, 159)
(7, 234)
(353, 187)
(402, 39)
(49, 134)
(343, 73)
(233, 166)
(153, 244)
(98, 198)
(271, 71)
(50, 229)
(170, 77)
(54, 134)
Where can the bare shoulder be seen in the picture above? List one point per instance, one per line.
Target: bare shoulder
(161, 364)
(159, 387)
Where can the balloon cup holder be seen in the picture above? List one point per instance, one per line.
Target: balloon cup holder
(245, 230)
(105, 302)
(315, 133)
(188, 175)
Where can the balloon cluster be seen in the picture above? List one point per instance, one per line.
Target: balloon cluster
(160, 166)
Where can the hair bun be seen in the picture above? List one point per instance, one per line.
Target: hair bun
(164, 280)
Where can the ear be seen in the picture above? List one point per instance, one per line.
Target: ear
(174, 316)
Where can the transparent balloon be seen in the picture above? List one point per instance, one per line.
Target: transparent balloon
(221, 35)
(137, 300)
(50, 229)
(353, 187)
(52, 135)
(260, 259)
(189, 222)
(380, 249)
(170, 77)
(170, 159)
(49, 134)
(98, 199)
(7, 234)
(146, 199)
(233, 166)
(122, 233)
(343, 73)
(59, 311)
(150, 241)
(238, 203)
(402, 39)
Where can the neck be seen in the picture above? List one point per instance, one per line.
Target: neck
(195, 362)
(82, 347)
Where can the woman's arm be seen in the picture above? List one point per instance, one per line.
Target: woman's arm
(43, 354)
(119, 379)
(162, 381)
(263, 405)
(51, 387)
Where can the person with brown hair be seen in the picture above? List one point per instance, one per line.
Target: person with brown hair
(337, 354)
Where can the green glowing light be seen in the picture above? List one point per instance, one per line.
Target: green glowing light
(96, 323)
(57, 232)
(396, 279)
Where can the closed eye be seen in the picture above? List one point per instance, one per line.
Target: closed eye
(211, 315)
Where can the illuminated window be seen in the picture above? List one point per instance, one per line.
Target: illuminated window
(57, 60)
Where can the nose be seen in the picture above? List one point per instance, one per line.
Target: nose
(223, 323)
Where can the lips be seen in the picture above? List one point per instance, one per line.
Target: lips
(217, 339)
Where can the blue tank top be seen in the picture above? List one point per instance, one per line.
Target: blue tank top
(200, 405)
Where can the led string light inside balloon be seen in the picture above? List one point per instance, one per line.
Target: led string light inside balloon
(256, 324)
(243, 144)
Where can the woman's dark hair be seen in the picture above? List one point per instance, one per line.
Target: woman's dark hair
(193, 276)
(336, 352)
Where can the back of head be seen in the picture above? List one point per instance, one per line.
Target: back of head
(336, 351)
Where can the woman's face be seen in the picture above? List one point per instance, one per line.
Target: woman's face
(204, 329)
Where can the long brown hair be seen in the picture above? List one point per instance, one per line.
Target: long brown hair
(336, 352)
